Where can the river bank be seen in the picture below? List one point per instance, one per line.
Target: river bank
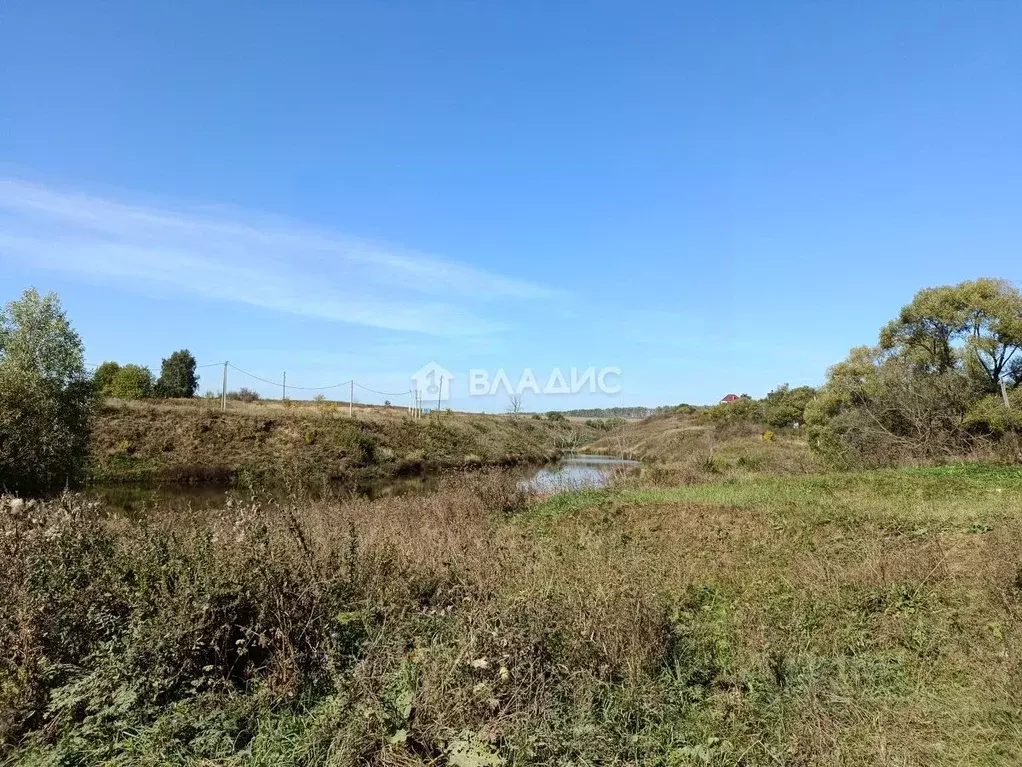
(175, 442)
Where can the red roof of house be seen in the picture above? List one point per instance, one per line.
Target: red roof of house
(730, 398)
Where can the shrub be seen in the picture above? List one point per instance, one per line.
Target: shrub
(46, 398)
(131, 382)
(784, 407)
(742, 410)
(989, 416)
(556, 416)
(243, 395)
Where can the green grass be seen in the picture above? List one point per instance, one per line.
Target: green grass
(940, 494)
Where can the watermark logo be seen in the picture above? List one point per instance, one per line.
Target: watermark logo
(603, 380)
(433, 381)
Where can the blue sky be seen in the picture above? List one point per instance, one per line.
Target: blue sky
(711, 197)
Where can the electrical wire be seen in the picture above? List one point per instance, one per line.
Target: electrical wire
(384, 393)
(281, 383)
(291, 387)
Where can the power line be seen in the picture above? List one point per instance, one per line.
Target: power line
(270, 382)
(281, 383)
(384, 393)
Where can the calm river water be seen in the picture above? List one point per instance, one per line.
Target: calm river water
(571, 473)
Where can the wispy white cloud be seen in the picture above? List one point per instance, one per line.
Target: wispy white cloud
(235, 256)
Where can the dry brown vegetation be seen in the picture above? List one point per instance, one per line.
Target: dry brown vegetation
(194, 440)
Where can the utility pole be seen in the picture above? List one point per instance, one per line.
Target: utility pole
(284, 388)
(1004, 395)
(439, 393)
(223, 392)
(351, 396)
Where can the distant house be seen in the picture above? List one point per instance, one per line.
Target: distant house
(729, 398)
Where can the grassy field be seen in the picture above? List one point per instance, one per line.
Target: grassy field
(755, 619)
(192, 440)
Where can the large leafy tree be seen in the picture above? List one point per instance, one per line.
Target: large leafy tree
(177, 376)
(926, 329)
(993, 331)
(46, 397)
(976, 325)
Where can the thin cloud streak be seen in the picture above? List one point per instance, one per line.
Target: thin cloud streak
(227, 255)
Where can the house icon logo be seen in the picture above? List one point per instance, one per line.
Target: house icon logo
(433, 382)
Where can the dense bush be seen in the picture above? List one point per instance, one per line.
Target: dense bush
(244, 395)
(930, 390)
(46, 398)
(131, 382)
(745, 409)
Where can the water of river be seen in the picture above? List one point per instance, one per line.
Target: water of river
(578, 472)
(573, 472)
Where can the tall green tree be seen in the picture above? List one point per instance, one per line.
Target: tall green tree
(177, 376)
(46, 398)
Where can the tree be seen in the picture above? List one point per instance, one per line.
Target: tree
(46, 398)
(514, 404)
(177, 376)
(993, 330)
(104, 376)
(977, 324)
(926, 328)
(132, 382)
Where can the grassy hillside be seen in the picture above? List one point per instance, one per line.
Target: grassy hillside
(850, 619)
(687, 448)
(194, 440)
